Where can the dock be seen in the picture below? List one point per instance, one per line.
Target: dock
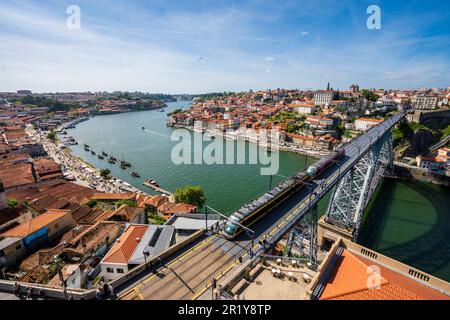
(157, 189)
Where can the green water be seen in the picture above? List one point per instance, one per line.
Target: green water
(226, 187)
(410, 221)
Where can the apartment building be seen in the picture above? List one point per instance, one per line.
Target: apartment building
(134, 247)
(425, 102)
(364, 124)
(43, 229)
(319, 122)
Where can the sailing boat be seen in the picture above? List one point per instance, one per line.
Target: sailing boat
(124, 163)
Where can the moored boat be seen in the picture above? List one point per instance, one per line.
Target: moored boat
(153, 183)
(125, 163)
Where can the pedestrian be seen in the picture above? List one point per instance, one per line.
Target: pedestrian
(106, 289)
(111, 290)
(98, 294)
(29, 292)
(16, 289)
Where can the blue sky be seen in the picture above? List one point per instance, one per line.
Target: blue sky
(201, 46)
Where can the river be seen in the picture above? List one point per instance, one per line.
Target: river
(408, 221)
(226, 187)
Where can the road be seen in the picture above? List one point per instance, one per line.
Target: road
(188, 275)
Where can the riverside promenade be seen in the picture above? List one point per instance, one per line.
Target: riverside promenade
(85, 174)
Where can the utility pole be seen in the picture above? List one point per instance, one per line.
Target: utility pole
(206, 218)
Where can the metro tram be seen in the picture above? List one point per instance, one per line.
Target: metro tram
(249, 214)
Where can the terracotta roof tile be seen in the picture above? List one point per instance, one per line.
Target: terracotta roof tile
(351, 280)
(113, 196)
(36, 224)
(124, 248)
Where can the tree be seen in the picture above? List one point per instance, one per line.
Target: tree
(92, 203)
(129, 203)
(192, 195)
(52, 136)
(370, 95)
(446, 131)
(176, 111)
(292, 128)
(12, 203)
(104, 173)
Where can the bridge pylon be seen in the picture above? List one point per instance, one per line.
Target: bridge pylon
(352, 193)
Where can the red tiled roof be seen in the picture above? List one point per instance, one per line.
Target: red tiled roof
(123, 249)
(165, 206)
(113, 196)
(156, 201)
(370, 120)
(352, 279)
(36, 224)
(181, 208)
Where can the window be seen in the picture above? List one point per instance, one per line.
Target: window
(18, 247)
(119, 270)
(56, 226)
(110, 270)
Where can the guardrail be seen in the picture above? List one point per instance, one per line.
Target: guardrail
(151, 261)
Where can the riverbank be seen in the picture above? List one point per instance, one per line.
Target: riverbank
(104, 112)
(84, 173)
(409, 172)
(287, 147)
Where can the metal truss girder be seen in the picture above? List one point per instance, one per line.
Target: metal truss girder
(354, 190)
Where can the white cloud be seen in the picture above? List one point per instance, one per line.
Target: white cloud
(160, 53)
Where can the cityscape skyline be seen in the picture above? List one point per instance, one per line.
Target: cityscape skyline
(228, 46)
